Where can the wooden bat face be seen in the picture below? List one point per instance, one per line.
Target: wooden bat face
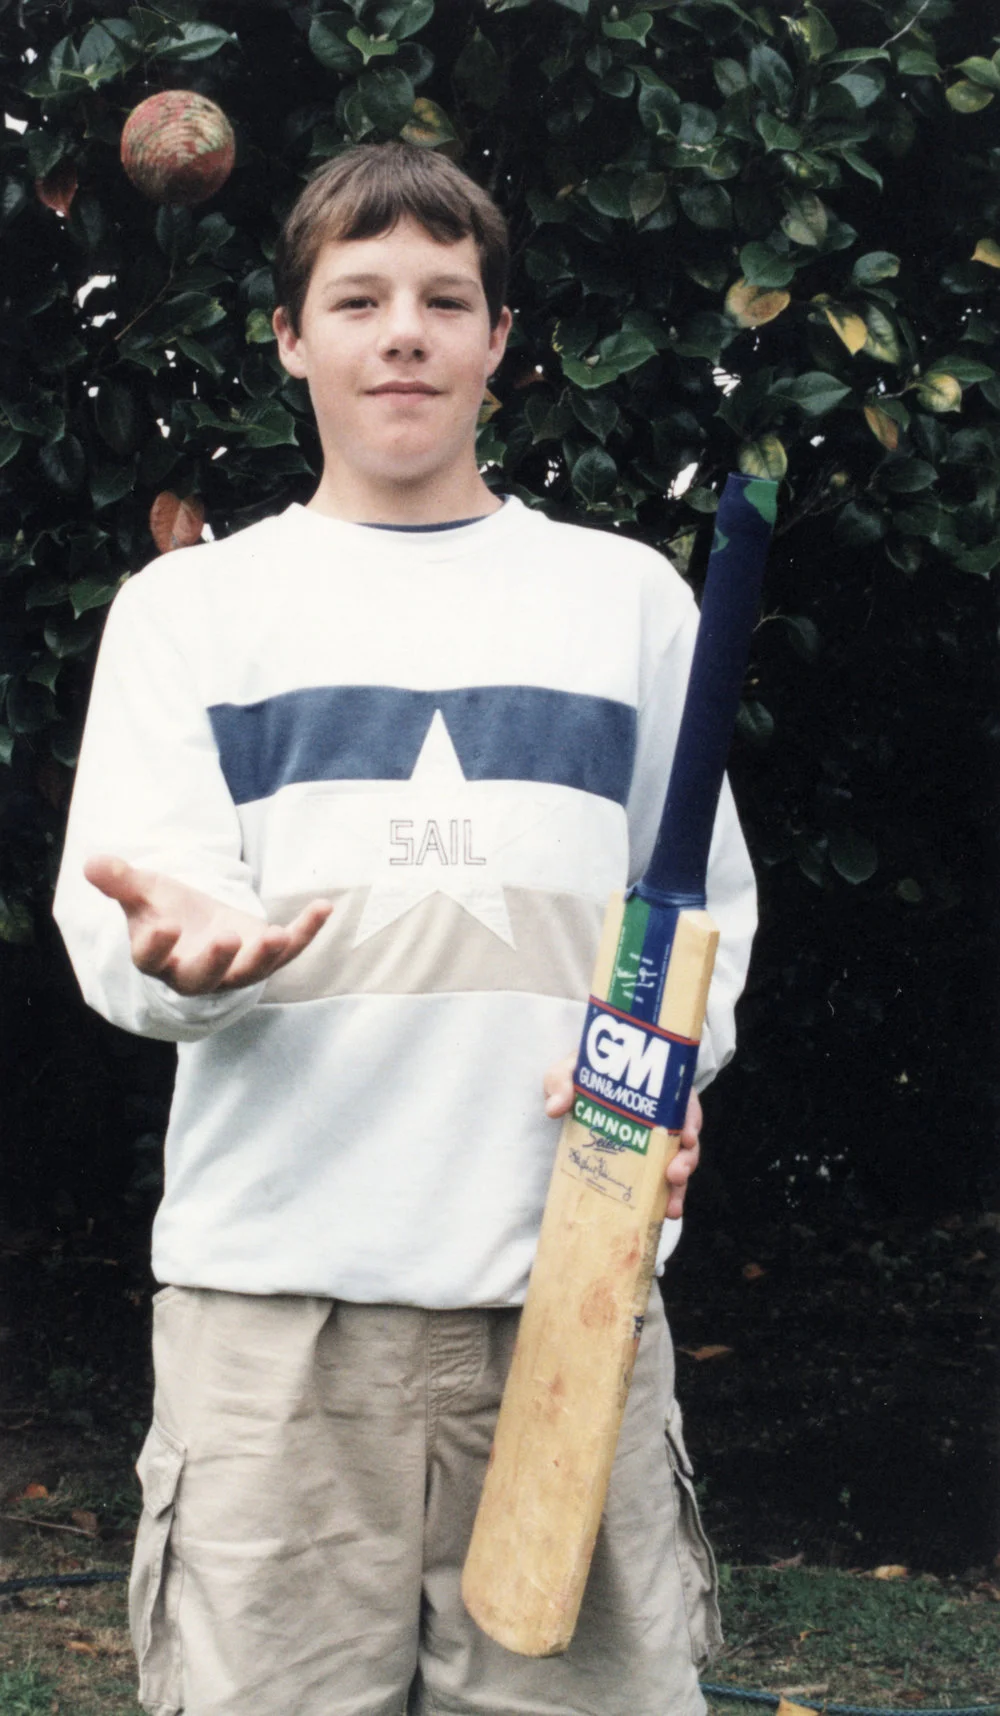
(563, 1404)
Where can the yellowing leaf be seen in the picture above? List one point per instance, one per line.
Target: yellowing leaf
(891, 1570)
(430, 125)
(33, 1492)
(752, 306)
(988, 251)
(489, 408)
(81, 1647)
(705, 1352)
(940, 392)
(883, 340)
(176, 523)
(849, 327)
(86, 1521)
(765, 457)
(882, 427)
(806, 220)
(966, 97)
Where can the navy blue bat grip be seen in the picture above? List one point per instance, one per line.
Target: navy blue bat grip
(743, 524)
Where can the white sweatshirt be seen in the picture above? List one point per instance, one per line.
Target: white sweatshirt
(462, 738)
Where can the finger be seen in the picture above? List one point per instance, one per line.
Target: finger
(558, 1087)
(257, 958)
(152, 947)
(202, 973)
(119, 881)
(302, 930)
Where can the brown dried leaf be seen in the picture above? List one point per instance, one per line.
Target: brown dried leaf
(86, 1521)
(752, 1272)
(58, 188)
(705, 1352)
(176, 523)
(891, 1570)
(81, 1647)
(883, 427)
(489, 408)
(33, 1492)
(787, 1708)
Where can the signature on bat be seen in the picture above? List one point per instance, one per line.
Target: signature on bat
(595, 1171)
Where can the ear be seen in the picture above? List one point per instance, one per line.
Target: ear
(289, 345)
(498, 340)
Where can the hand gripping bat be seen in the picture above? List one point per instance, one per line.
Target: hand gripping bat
(562, 1407)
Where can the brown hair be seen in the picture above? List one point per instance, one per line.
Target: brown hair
(365, 191)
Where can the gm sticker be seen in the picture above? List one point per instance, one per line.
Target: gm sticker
(636, 1071)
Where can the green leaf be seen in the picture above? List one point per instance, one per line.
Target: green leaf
(861, 166)
(916, 62)
(10, 443)
(907, 476)
(966, 97)
(864, 88)
(965, 369)
(110, 483)
(595, 476)
(698, 124)
(853, 855)
(730, 76)
(387, 97)
(755, 723)
(645, 193)
(401, 21)
(815, 392)
(979, 561)
(772, 76)
(16, 923)
(859, 525)
(370, 47)
(775, 133)
(6, 745)
(980, 71)
(659, 110)
(634, 29)
(198, 42)
(875, 265)
(259, 331)
(806, 219)
(708, 206)
(329, 45)
(64, 464)
(91, 593)
(596, 412)
(30, 707)
(803, 635)
(117, 415)
(762, 266)
(479, 73)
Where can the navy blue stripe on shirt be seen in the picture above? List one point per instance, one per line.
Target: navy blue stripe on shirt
(375, 732)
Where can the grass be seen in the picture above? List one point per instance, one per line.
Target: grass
(820, 1634)
(815, 1634)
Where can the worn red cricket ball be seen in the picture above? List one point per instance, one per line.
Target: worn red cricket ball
(178, 147)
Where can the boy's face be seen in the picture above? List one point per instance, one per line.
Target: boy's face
(396, 346)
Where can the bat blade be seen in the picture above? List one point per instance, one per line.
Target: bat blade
(565, 1396)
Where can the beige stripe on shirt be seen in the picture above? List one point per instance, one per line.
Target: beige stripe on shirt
(438, 947)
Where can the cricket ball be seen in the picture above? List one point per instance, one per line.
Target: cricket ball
(178, 147)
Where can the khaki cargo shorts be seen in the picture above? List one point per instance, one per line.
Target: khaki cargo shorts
(309, 1486)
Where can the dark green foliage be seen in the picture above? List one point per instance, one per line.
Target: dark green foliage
(741, 239)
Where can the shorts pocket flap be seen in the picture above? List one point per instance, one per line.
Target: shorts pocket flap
(159, 1468)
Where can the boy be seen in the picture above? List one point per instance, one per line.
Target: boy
(368, 772)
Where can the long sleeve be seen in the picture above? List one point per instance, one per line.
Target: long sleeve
(149, 789)
(731, 891)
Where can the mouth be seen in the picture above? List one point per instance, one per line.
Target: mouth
(404, 389)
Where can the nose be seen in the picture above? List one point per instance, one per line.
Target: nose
(403, 332)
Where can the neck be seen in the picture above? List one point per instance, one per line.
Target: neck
(362, 499)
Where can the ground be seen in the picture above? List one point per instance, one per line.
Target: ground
(839, 1387)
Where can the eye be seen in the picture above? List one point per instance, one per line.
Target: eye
(360, 303)
(443, 303)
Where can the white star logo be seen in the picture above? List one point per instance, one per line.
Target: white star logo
(442, 840)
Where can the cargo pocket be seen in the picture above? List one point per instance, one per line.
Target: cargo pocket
(699, 1577)
(154, 1588)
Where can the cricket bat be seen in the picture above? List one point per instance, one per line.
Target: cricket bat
(562, 1408)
